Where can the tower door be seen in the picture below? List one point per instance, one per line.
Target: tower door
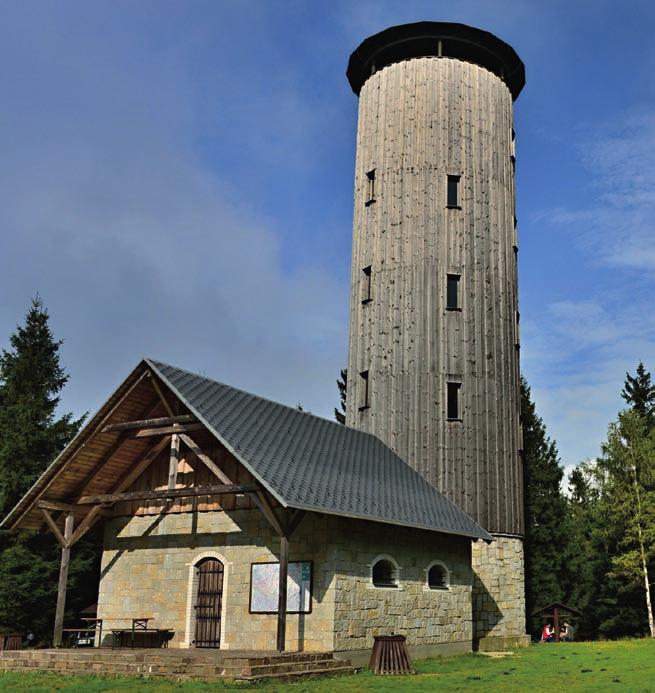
(209, 600)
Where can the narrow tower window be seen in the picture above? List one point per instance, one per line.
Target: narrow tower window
(452, 292)
(453, 192)
(366, 294)
(364, 391)
(370, 190)
(453, 402)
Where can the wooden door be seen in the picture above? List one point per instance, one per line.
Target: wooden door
(209, 601)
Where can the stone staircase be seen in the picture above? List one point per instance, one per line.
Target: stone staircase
(178, 664)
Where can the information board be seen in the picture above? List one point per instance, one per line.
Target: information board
(265, 584)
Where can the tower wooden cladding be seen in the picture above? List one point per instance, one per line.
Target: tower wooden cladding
(433, 360)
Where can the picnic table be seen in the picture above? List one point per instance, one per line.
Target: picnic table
(140, 631)
(91, 629)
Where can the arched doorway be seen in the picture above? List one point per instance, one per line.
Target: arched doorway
(208, 602)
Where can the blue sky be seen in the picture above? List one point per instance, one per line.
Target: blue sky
(177, 182)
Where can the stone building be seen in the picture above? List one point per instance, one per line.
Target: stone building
(235, 522)
(206, 490)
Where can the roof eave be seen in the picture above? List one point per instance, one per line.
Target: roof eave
(485, 536)
(15, 516)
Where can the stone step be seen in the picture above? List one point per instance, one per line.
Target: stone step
(343, 669)
(174, 665)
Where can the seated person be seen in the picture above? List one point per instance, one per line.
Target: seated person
(566, 632)
(548, 633)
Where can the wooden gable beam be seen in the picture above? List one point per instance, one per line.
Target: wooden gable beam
(166, 430)
(150, 423)
(135, 472)
(57, 506)
(167, 494)
(155, 383)
(53, 526)
(294, 520)
(208, 462)
(261, 501)
(174, 461)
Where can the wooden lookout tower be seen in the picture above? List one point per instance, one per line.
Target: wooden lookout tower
(434, 342)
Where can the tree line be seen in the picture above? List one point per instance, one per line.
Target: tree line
(590, 538)
(592, 544)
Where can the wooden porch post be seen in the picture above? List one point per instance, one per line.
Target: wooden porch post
(282, 600)
(63, 580)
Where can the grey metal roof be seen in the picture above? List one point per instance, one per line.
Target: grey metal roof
(309, 462)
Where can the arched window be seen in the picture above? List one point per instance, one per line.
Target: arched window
(384, 573)
(438, 576)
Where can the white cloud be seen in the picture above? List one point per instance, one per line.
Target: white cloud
(578, 351)
(137, 244)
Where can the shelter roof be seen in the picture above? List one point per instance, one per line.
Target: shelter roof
(302, 460)
(559, 605)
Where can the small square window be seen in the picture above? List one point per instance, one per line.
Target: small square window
(370, 189)
(364, 390)
(453, 404)
(452, 292)
(452, 198)
(366, 293)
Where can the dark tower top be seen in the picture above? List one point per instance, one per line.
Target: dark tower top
(441, 39)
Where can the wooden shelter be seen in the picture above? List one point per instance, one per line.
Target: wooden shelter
(555, 611)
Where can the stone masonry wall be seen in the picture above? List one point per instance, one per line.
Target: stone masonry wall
(148, 562)
(148, 566)
(425, 616)
(498, 588)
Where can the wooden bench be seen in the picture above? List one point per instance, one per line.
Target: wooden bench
(140, 629)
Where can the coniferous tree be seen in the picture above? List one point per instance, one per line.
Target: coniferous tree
(587, 562)
(31, 435)
(31, 379)
(342, 384)
(545, 513)
(639, 392)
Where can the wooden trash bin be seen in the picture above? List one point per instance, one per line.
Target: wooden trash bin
(11, 641)
(390, 655)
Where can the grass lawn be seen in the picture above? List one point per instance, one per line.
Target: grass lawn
(627, 665)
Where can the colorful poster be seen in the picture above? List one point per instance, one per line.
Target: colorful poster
(264, 587)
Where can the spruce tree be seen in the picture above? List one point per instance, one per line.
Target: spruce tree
(587, 562)
(31, 435)
(545, 513)
(31, 379)
(639, 392)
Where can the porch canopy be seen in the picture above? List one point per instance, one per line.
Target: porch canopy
(293, 462)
